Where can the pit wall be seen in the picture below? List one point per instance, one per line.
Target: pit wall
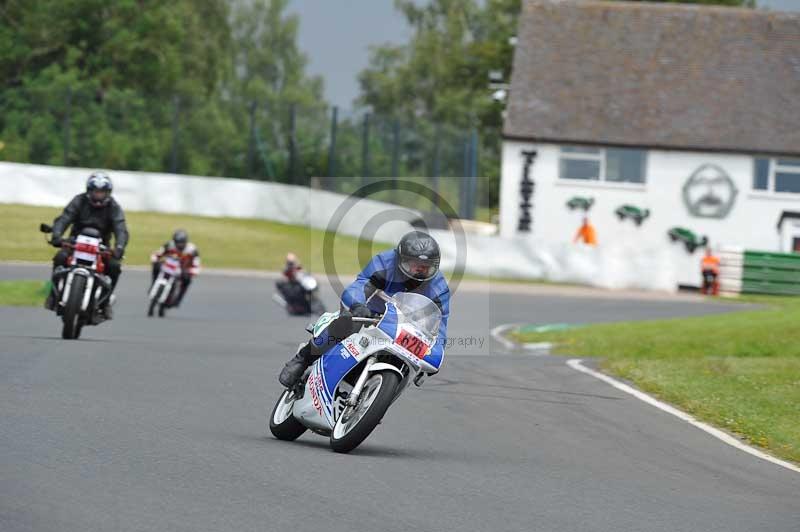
(751, 222)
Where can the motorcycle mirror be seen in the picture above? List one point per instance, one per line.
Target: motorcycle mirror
(44, 228)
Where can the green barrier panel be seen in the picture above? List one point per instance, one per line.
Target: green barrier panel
(763, 274)
(771, 266)
(755, 287)
(778, 260)
(771, 273)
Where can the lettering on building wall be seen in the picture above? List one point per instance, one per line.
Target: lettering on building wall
(526, 189)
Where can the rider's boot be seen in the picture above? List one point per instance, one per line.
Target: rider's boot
(50, 302)
(294, 369)
(107, 308)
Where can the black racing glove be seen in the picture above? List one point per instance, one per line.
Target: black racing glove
(118, 252)
(56, 241)
(360, 310)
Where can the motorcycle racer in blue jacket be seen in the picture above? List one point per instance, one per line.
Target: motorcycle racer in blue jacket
(413, 266)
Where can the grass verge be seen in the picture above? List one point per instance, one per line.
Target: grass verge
(22, 293)
(223, 242)
(739, 371)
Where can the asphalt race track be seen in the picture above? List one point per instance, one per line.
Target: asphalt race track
(160, 425)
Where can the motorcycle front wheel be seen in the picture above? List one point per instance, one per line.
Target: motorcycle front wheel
(154, 301)
(282, 423)
(72, 311)
(357, 422)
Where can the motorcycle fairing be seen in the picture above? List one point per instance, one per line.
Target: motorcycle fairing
(318, 406)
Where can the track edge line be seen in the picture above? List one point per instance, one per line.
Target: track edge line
(576, 364)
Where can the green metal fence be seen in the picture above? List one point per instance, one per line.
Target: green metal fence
(311, 144)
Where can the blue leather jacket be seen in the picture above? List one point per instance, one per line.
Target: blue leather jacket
(382, 273)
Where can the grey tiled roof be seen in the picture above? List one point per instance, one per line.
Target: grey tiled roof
(656, 75)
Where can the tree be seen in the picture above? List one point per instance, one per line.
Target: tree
(145, 45)
(270, 73)
(152, 85)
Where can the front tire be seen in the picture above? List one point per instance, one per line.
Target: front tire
(154, 301)
(282, 423)
(72, 312)
(356, 423)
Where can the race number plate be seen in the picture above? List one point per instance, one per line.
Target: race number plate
(414, 345)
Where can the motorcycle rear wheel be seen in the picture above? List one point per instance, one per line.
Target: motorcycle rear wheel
(282, 424)
(72, 311)
(356, 423)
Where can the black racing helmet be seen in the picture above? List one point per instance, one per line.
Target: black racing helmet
(180, 238)
(418, 256)
(98, 189)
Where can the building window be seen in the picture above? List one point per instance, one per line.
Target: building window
(777, 175)
(761, 174)
(614, 165)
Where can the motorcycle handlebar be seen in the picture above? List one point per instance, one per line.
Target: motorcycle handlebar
(366, 320)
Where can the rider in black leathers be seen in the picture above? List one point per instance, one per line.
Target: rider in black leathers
(94, 208)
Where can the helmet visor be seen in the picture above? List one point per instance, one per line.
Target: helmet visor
(99, 196)
(419, 269)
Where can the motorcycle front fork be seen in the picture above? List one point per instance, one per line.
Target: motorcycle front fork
(352, 399)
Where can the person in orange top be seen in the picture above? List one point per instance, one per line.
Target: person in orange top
(709, 266)
(586, 233)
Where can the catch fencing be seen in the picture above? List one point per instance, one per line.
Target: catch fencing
(279, 142)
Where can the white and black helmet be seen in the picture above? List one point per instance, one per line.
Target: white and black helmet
(98, 189)
(418, 256)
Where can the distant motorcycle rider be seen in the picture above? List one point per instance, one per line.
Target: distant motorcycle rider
(290, 289)
(186, 252)
(291, 267)
(94, 208)
(413, 266)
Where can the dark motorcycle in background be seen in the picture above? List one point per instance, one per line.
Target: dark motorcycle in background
(299, 296)
(81, 287)
(167, 285)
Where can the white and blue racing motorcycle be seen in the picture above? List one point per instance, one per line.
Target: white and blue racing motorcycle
(346, 392)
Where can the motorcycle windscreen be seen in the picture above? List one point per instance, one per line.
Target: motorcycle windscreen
(413, 321)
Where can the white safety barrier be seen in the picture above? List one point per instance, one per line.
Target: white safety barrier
(731, 267)
(206, 196)
(614, 266)
(623, 264)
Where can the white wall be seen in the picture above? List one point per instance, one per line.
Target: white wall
(751, 223)
(204, 196)
(516, 256)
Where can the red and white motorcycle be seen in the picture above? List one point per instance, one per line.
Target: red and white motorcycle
(167, 285)
(81, 288)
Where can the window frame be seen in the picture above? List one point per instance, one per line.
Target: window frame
(774, 168)
(602, 157)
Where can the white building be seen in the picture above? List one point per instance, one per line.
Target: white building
(689, 114)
